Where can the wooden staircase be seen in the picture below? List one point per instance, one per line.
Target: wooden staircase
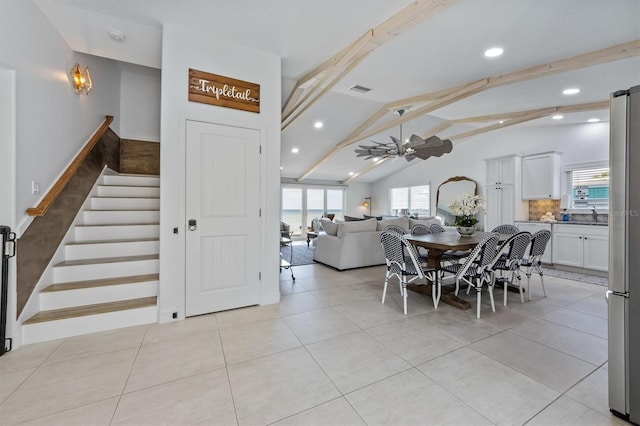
(109, 278)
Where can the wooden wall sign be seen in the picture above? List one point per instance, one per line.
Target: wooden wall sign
(223, 91)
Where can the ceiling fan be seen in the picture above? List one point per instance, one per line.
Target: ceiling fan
(414, 147)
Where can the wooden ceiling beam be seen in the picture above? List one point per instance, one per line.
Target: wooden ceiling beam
(512, 119)
(313, 81)
(452, 95)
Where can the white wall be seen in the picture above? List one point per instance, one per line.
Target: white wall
(578, 143)
(356, 193)
(140, 103)
(52, 122)
(183, 49)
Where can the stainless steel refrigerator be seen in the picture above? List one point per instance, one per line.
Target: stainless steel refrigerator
(623, 296)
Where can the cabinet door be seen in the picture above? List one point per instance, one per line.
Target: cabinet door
(507, 171)
(493, 172)
(507, 205)
(540, 178)
(567, 249)
(492, 218)
(596, 252)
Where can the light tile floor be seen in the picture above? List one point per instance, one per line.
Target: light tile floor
(330, 354)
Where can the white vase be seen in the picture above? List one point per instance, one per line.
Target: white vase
(466, 231)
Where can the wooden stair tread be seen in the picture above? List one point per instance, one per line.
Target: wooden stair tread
(127, 240)
(76, 285)
(99, 308)
(108, 260)
(124, 197)
(122, 210)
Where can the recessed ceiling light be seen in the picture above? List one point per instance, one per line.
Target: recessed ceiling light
(295, 150)
(351, 173)
(374, 159)
(318, 124)
(118, 36)
(493, 52)
(501, 122)
(593, 120)
(571, 91)
(281, 167)
(557, 117)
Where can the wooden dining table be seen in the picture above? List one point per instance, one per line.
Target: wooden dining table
(438, 244)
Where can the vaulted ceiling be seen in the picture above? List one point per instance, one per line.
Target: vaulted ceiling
(426, 56)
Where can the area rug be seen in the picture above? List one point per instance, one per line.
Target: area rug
(591, 279)
(301, 254)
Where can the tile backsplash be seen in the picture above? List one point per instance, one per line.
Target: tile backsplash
(537, 208)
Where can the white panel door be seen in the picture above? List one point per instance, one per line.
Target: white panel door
(223, 200)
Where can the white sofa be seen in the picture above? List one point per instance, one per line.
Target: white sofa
(347, 245)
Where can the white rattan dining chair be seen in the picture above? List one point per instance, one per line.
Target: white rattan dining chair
(474, 271)
(506, 229)
(405, 270)
(532, 261)
(507, 262)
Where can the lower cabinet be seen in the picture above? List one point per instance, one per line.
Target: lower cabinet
(582, 246)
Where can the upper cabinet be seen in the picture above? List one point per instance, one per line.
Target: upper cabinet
(501, 171)
(541, 176)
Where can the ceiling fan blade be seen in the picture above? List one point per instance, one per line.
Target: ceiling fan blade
(414, 141)
(433, 141)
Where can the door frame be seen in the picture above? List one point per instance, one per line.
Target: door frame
(181, 214)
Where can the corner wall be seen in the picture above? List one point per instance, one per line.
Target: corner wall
(183, 49)
(52, 122)
(577, 142)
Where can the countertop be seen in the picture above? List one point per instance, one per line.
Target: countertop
(562, 222)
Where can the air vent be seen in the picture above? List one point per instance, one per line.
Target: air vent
(359, 89)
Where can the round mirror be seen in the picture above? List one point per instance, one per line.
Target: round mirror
(450, 190)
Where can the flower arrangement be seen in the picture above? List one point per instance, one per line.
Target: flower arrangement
(466, 207)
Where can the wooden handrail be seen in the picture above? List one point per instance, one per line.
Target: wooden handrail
(57, 188)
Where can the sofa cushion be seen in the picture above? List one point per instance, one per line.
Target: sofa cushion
(331, 228)
(357, 226)
(399, 221)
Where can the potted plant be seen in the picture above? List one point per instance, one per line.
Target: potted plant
(466, 208)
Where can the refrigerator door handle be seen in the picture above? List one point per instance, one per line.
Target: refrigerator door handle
(610, 293)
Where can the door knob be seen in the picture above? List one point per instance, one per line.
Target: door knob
(193, 225)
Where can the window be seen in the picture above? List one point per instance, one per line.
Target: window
(588, 186)
(300, 205)
(411, 200)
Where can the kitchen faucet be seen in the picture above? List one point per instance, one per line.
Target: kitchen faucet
(594, 214)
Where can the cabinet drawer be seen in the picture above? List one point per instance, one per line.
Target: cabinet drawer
(595, 230)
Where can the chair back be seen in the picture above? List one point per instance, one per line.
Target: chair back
(506, 229)
(414, 256)
(436, 228)
(539, 242)
(480, 257)
(420, 229)
(513, 250)
(393, 250)
(395, 228)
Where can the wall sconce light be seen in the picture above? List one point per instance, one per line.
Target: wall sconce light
(367, 203)
(81, 80)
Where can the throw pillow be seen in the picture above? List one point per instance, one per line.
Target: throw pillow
(399, 221)
(331, 228)
(376, 217)
(352, 219)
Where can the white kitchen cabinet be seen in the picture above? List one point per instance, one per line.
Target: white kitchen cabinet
(581, 246)
(503, 197)
(541, 176)
(502, 171)
(534, 227)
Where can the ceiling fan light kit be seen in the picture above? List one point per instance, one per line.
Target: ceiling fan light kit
(412, 148)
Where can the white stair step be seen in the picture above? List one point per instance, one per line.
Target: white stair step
(92, 269)
(74, 294)
(114, 217)
(125, 203)
(128, 191)
(111, 248)
(62, 323)
(131, 180)
(116, 232)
